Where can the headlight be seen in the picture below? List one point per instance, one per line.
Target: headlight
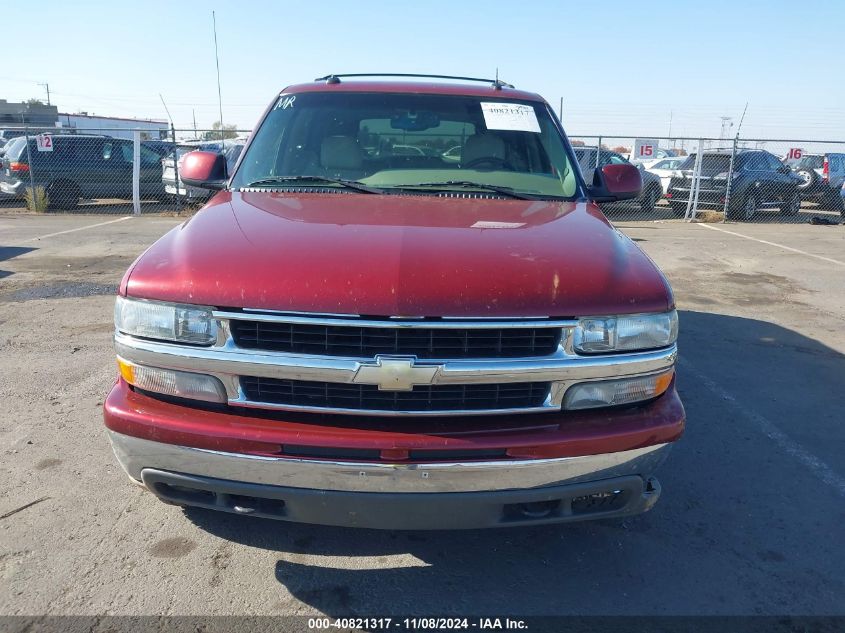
(165, 321)
(608, 393)
(182, 384)
(625, 333)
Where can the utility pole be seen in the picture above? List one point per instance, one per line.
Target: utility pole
(219, 93)
(670, 123)
(560, 111)
(47, 86)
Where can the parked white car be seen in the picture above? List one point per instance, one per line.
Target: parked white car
(231, 148)
(663, 168)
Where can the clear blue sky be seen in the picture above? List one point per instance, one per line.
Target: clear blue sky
(621, 67)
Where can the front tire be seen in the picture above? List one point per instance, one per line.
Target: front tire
(649, 200)
(679, 208)
(792, 206)
(747, 210)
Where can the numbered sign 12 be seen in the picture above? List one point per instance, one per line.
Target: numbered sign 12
(44, 143)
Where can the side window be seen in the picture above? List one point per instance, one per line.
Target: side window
(616, 159)
(126, 152)
(108, 149)
(772, 162)
(754, 162)
(149, 157)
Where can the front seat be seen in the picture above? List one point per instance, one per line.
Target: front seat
(341, 157)
(484, 146)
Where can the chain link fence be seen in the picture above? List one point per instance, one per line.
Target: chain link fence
(724, 180)
(136, 171)
(109, 170)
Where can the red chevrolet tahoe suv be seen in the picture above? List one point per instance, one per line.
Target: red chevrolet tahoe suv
(402, 309)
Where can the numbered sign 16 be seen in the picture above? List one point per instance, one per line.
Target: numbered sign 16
(794, 153)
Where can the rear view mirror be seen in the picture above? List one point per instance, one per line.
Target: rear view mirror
(206, 170)
(616, 182)
(414, 121)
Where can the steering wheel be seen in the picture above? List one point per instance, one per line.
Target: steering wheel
(493, 161)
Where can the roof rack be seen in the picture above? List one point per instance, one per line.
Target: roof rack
(335, 79)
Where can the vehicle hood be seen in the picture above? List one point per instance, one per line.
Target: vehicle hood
(400, 255)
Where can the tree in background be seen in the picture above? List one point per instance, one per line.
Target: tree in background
(34, 102)
(216, 133)
(621, 149)
(577, 143)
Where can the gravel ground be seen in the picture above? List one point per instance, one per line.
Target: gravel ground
(753, 493)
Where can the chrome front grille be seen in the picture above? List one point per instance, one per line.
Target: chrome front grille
(423, 342)
(392, 366)
(428, 398)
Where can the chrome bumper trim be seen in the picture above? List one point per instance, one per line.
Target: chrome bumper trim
(135, 454)
(228, 363)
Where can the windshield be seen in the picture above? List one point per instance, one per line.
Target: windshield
(709, 162)
(15, 147)
(811, 162)
(404, 141)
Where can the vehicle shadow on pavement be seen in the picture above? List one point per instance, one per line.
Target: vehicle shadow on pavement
(10, 252)
(738, 494)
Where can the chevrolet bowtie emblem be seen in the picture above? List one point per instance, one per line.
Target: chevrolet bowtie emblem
(395, 374)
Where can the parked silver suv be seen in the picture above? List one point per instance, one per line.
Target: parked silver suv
(822, 177)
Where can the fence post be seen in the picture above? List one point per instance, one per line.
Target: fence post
(136, 172)
(730, 178)
(29, 160)
(598, 153)
(176, 169)
(692, 201)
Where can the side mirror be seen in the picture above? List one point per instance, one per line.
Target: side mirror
(616, 182)
(206, 170)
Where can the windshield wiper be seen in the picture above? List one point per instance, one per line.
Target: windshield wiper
(288, 180)
(468, 184)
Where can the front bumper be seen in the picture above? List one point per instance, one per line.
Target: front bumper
(398, 496)
(12, 188)
(622, 496)
(559, 467)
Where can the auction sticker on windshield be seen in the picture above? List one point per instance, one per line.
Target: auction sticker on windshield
(510, 116)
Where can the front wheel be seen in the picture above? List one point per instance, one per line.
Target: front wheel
(746, 211)
(792, 206)
(649, 200)
(679, 208)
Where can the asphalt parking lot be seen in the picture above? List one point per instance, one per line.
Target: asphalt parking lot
(749, 523)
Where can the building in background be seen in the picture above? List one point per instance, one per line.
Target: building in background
(82, 122)
(29, 114)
